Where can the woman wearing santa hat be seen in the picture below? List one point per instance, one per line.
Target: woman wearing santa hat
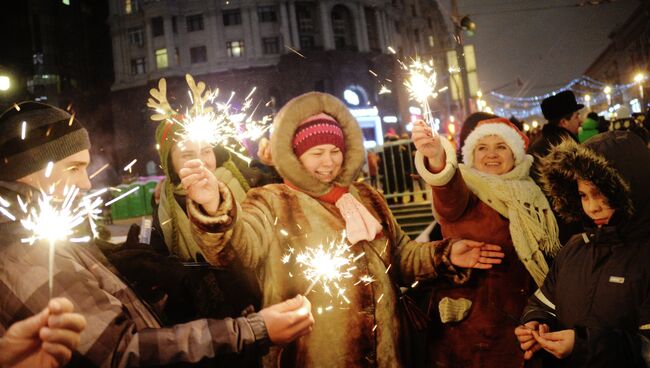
(491, 198)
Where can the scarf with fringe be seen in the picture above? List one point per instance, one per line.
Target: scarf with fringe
(516, 196)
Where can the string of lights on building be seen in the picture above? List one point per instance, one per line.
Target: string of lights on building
(589, 92)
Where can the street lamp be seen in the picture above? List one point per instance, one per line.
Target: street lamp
(5, 83)
(639, 78)
(608, 93)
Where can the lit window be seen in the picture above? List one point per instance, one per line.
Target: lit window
(130, 6)
(161, 59)
(235, 48)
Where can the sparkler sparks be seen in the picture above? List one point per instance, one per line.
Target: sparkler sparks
(121, 196)
(130, 165)
(54, 223)
(97, 172)
(209, 122)
(48, 169)
(421, 85)
(327, 265)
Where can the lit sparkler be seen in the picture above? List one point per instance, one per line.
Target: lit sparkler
(421, 85)
(55, 223)
(209, 121)
(327, 265)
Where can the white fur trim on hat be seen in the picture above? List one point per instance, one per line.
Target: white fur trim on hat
(509, 135)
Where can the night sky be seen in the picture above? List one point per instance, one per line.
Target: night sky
(544, 48)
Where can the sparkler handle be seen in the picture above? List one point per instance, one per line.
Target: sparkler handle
(50, 271)
(311, 286)
(428, 118)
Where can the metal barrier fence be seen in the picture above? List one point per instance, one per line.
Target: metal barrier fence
(391, 169)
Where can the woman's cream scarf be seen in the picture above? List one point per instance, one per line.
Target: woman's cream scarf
(515, 195)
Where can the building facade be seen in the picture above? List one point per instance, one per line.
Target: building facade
(59, 52)
(627, 55)
(283, 48)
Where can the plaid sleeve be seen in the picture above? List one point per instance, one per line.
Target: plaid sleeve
(121, 331)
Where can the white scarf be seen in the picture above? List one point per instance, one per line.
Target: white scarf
(515, 195)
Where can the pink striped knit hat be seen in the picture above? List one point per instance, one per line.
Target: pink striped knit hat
(316, 130)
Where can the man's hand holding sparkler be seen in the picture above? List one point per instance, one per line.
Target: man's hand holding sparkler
(288, 320)
(473, 254)
(429, 145)
(201, 185)
(43, 340)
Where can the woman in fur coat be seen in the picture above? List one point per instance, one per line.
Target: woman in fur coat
(490, 198)
(594, 307)
(317, 148)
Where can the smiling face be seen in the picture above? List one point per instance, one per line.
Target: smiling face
(492, 155)
(323, 162)
(594, 203)
(186, 151)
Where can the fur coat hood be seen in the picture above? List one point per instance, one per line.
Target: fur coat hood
(618, 163)
(284, 127)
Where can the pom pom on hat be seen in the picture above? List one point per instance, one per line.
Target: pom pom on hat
(514, 138)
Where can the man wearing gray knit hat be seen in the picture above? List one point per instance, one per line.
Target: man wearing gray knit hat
(34, 136)
(122, 329)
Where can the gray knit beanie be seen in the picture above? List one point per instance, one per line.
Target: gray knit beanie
(33, 134)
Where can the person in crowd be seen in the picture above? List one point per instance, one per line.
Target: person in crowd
(589, 127)
(562, 113)
(317, 148)
(593, 309)
(44, 340)
(121, 330)
(491, 198)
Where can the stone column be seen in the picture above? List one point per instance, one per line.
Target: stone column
(381, 29)
(255, 32)
(169, 42)
(361, 28)
(249, 48)
(284, 25)
(219, 35)
(293, 25)
(151, 54)
(326, 25)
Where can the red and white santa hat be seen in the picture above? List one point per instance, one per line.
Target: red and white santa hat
(514, 138)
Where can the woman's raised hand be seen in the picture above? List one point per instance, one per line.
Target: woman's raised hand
(473, 254)
(201, 185)
(429, 145)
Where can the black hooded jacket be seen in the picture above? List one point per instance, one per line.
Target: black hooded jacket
(599, 284)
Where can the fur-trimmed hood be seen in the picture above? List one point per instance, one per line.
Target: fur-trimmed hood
(618, 163)
(284, 127)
